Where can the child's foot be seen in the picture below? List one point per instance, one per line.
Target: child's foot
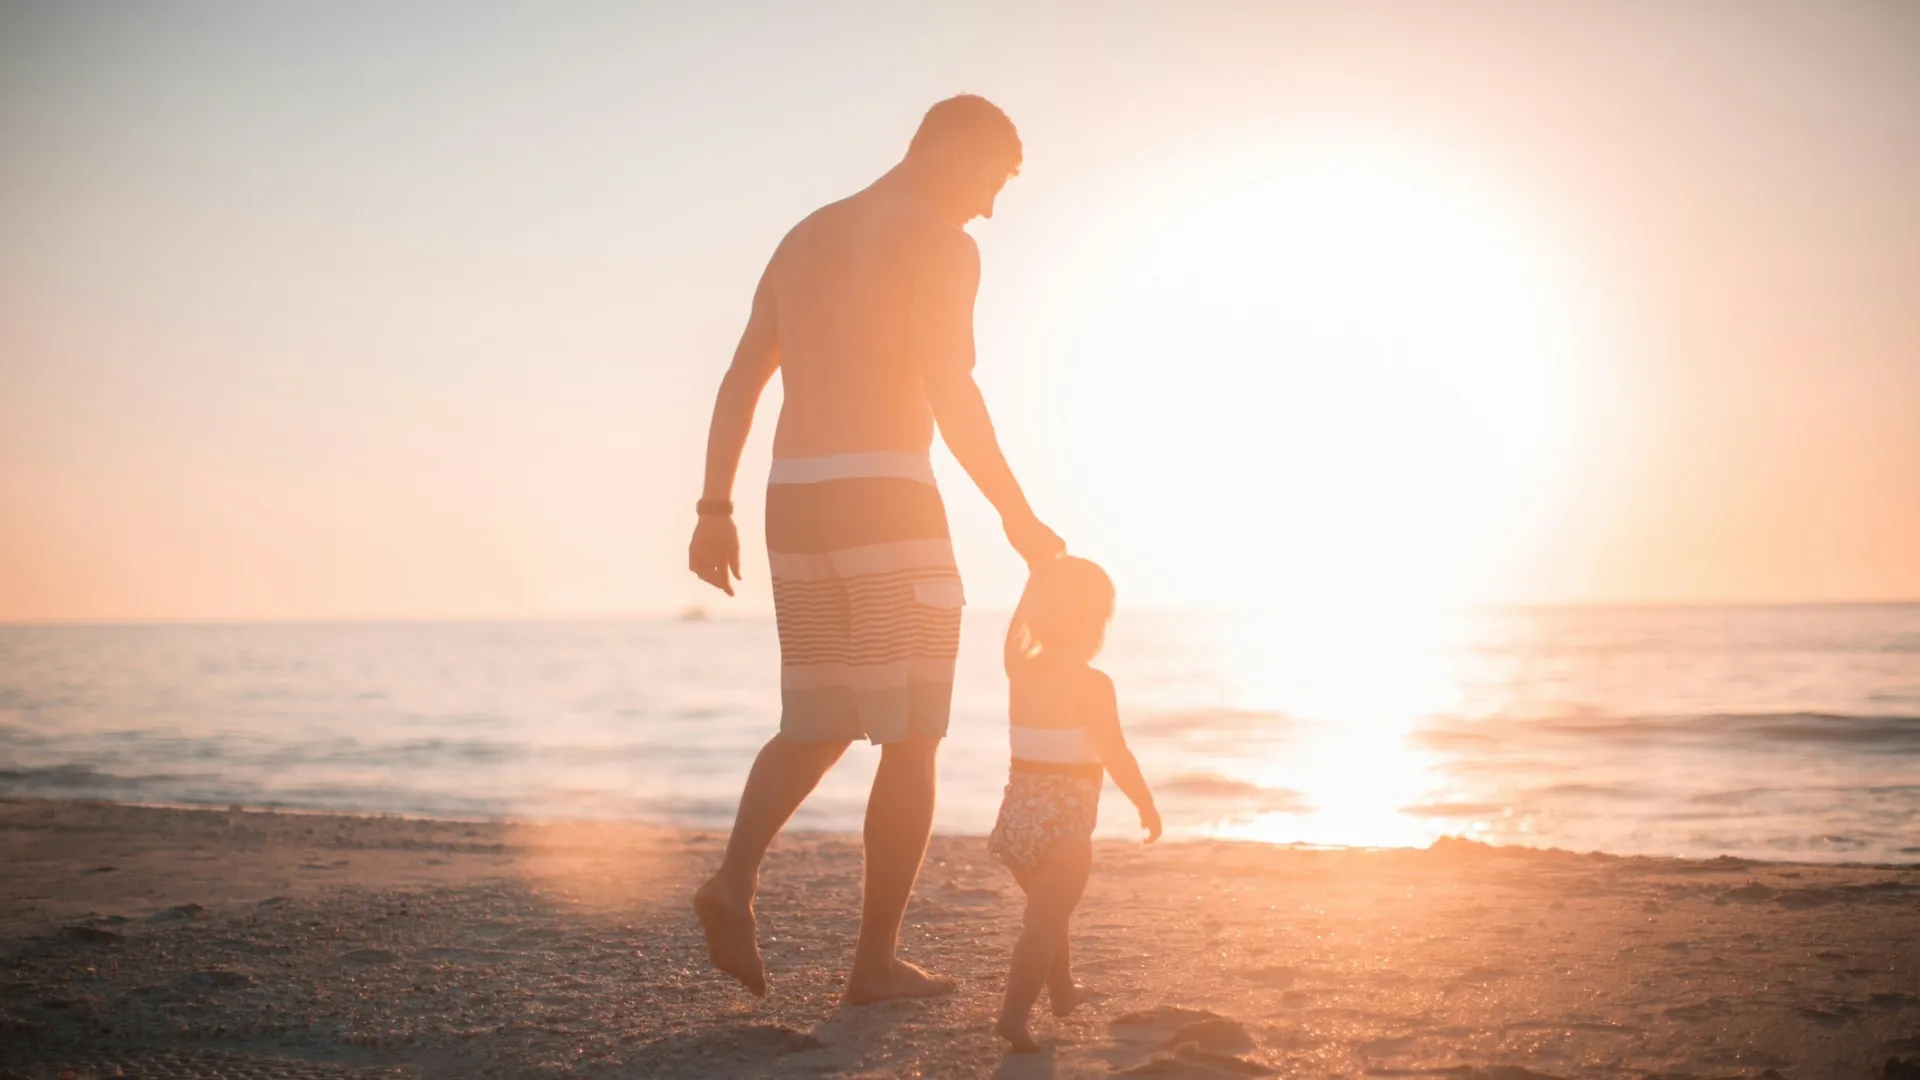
(1063, 1002)
(1016, 1033)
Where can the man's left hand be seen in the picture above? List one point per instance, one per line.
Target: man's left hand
(1034, 541)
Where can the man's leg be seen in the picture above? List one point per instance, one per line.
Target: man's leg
(782, 777)
(899, 820)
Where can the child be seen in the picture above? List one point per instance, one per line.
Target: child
(1066, 736)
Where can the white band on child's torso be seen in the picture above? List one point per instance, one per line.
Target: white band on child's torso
(1055, 746)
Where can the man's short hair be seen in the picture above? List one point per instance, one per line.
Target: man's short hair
(973, 119)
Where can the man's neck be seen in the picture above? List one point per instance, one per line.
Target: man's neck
(906, 180)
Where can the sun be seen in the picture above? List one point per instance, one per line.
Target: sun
(1320, 374)
(1329, 383)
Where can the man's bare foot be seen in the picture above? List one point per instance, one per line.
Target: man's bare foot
(1064, 1002)
(732, 946)
(1016, 1034)
(903, 981)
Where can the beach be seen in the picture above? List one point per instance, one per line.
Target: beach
(179, 942)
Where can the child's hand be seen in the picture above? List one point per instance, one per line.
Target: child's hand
(1150, 821)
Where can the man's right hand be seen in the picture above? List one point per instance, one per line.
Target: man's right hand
(715, 551)
(1034, 541)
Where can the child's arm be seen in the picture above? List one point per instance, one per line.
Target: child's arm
(1103, 724)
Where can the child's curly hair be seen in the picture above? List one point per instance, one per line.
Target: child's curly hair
(1063, 613)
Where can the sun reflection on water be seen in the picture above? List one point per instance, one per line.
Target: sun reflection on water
(1355, 685)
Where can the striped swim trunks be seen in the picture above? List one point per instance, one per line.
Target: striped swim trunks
(866, 594)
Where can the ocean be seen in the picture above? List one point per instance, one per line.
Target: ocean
(1769, 732)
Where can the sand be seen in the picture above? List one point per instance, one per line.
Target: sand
(163, 942)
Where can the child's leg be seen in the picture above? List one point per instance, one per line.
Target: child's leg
(1063, 994)
(1053, 890)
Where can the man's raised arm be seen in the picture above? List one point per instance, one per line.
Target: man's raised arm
(942, 335)
(715, 550)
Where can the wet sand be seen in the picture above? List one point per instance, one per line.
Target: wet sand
(149, 942)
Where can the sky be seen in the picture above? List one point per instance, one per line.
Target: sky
(360, 310)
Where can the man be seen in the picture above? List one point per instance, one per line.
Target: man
(867, 306)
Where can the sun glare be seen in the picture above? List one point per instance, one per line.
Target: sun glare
(1352, 689)
(1328, 385)
(1323, 375)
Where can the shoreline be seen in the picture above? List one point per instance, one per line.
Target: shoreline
(441, 948)
(791, 830)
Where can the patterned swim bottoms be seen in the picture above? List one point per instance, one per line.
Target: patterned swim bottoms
(866, 594)
(1040, 809)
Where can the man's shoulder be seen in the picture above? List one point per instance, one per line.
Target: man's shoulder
(867, 218)
(935, 230)
(905, 218)
(815, 222)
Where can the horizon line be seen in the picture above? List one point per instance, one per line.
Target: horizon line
(696, 613)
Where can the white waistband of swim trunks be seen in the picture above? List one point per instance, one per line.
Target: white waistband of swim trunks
(876, 464)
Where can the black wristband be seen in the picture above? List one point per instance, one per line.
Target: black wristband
(714, 508)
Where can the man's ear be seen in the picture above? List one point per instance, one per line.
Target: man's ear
(954, 159)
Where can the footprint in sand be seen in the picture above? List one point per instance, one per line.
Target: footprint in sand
(1158, 1022)
(750, 1044)
(448, 955)
(178, 913)
(1217, 1034)
(774, 1040)
(1191, 1061)
(972, 897)
(214, 979)
(1203, 1043)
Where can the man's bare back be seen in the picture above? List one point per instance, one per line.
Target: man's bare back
(866, 297)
